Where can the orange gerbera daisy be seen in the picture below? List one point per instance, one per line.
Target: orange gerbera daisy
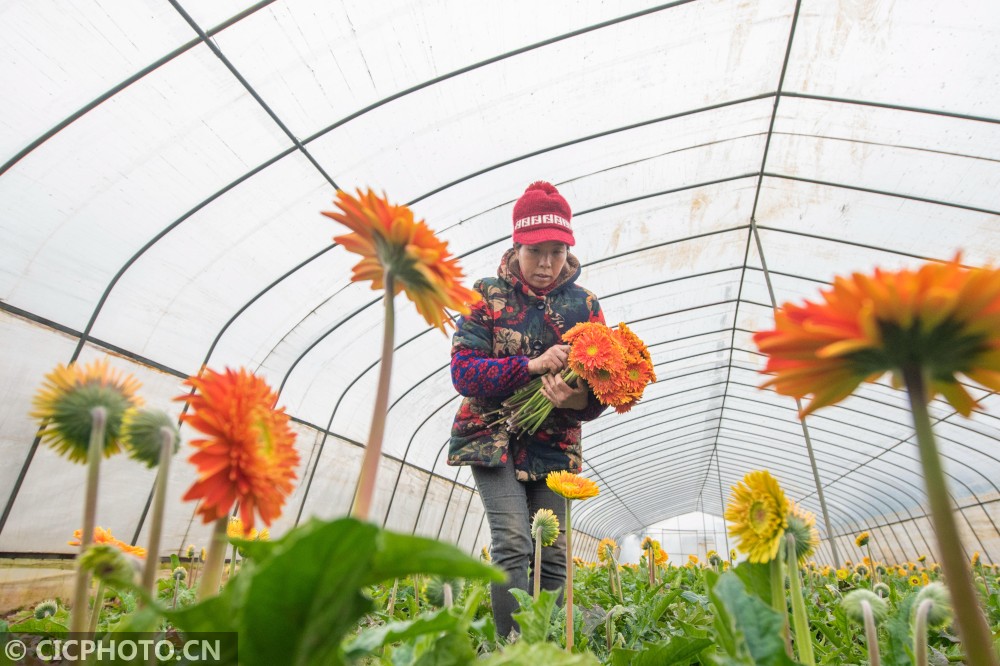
(571, 486)
(64, 403)
(634, 345)
(388, 239)
(103, 536)
(594, 348)
(249, 455)
(943, 318)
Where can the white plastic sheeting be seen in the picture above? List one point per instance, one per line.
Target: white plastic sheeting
(165, 162)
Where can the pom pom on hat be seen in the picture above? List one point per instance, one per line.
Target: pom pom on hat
(542, 214)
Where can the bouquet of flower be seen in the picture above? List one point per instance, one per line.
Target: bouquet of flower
(614, 363)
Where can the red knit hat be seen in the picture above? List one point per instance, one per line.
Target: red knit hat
(541, 214)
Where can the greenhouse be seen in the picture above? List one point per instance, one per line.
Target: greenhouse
(248, 252)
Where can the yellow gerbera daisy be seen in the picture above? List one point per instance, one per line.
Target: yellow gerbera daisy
(571, 486)
(758, 511)
(606, 549)
(64, 403)
(862, 539)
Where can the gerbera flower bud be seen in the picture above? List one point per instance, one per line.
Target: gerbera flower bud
(940, 612)
(65, 403)
(108, 564)
(189, 553)
(861, 570)
(862, 539)
(179, 573)
(45, 609)
(545, 527)
(142, 434)
(714, 559)
(484, 555)
(802, 524)
(851, 604)
(881, 589)
(433, 593)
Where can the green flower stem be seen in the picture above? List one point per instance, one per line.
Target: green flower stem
(778, 601)
(95, 614)
(416, 595)
(803, 637)
(920, 632)
(95, 450)
(871, 635)
(569, 578)
(531, 407)
(211, 574)
(232, 562)
(391, 608)
(538, 564)
(872, 572)
(977, 641)
(614, 578)
(373, 451)
(159, 501)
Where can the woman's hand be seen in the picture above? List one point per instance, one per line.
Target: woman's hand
(563, 395)
(552, 360)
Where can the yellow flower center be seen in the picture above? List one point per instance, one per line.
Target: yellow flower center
(591, 350)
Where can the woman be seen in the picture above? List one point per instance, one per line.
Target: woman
(512, 335)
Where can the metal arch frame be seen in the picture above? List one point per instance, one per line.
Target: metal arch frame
(785, 465)
(611, 519)
(298, 145)
(204, 38)
(701, 414)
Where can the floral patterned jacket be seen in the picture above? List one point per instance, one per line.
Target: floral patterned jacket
(489, 361)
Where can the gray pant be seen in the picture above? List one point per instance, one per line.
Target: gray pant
(510, 506)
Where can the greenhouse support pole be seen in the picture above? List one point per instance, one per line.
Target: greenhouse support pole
(816, 480)
(798, 403)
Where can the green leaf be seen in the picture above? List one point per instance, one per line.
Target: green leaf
(753, 626)
(680, 650)
(400, 555)
(297, 597)
(535, 617)
(900, 644)
(521, 653)
(144, 620)
(451, 649)
(44, 626)
(757, 578)
(372, 639)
